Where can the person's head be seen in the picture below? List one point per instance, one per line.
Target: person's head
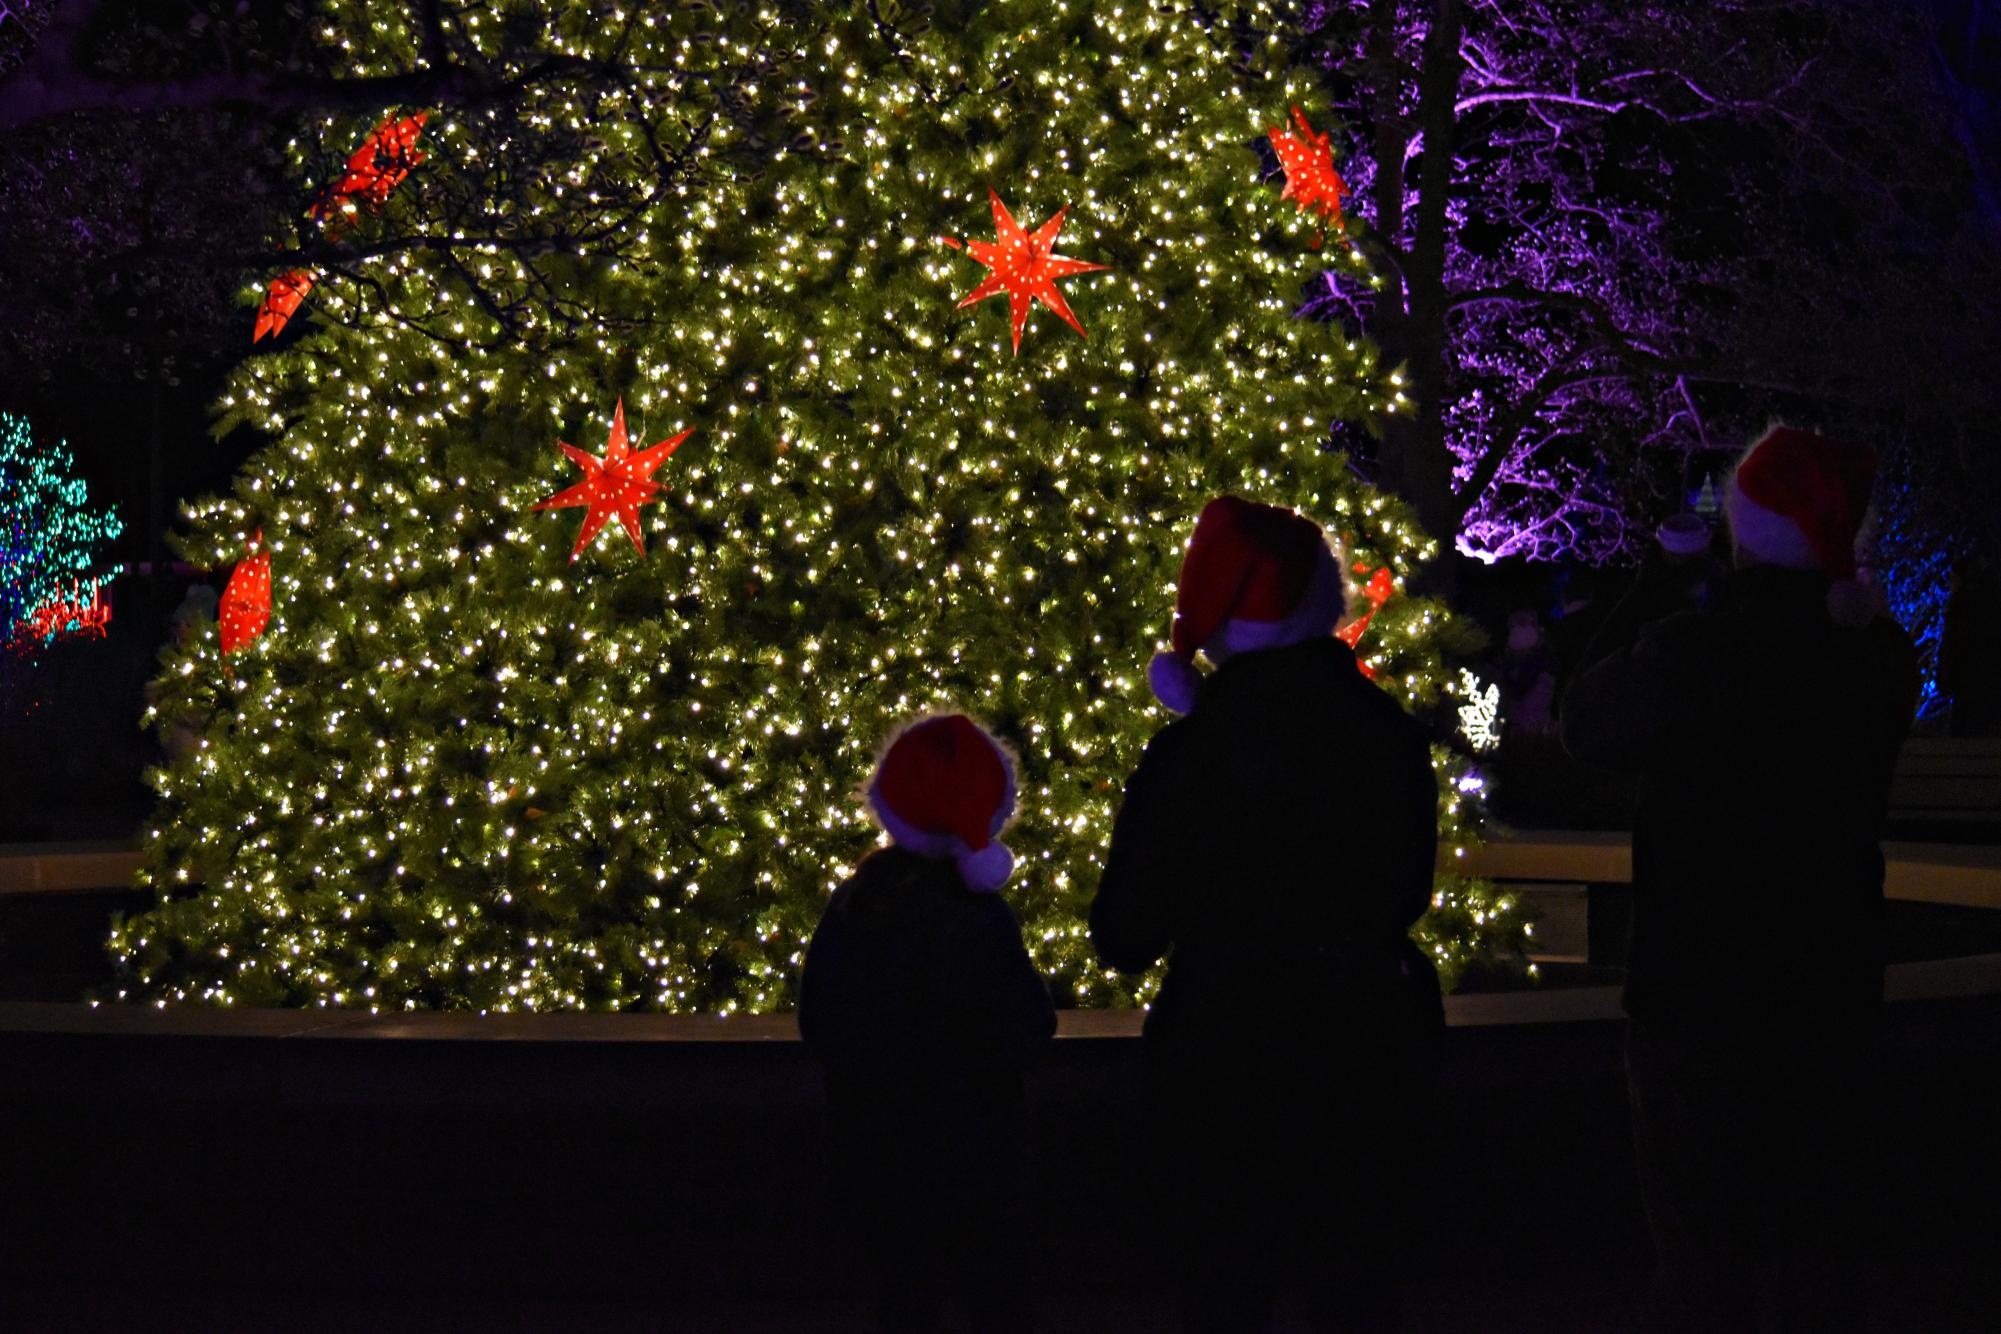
(1798, 500)
(944, 788)
(1255, 577)
(1684, 537)
(1524, 630)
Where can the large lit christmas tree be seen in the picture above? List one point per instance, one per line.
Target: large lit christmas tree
(813, 486)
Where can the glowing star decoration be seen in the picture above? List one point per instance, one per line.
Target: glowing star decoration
(246, 602)
(1026, 267)
(1480, 715)
(375, 169)
(282, 302)
(619, 483)
(1308, 162)
(1378, 590)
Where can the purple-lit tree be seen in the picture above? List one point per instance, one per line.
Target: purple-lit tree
(1554, 276)
(1617, 237)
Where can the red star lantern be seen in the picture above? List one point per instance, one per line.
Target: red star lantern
(618, 484)
(281, 302)
(246, 601)
(1308, 162)
(1025, 266)
(375, 169)
(1378, 590)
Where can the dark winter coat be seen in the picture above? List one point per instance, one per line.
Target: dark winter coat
(1764, 736)
(919, 992)
(1279, 841)
(926, 1011)
(1276, 845)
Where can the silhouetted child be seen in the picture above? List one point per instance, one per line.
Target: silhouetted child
(921, 1003)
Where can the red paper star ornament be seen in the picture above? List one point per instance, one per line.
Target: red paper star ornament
(245, 608)
(1308, 162)
(375, 169)
(617, 484)
(373, 172)
(1026, 267)
(281, 302)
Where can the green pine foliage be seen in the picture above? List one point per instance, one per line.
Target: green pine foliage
(461, 771)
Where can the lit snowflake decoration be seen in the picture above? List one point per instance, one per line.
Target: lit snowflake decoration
(1480, 715)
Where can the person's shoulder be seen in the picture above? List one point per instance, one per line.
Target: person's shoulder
(889, 865)
(1177, 738)
(1889, 636)
(1339, 673)
(1892, 648)
(1698, 622)
(1698, 631)
(991, 911)
(881, 870)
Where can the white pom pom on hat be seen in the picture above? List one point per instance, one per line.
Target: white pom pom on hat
(1255, 577)
(1174, 680)
(945, 788)
(1798, 500)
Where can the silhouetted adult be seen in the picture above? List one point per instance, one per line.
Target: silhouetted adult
(1276, 843)
(925, 1009)
(1764, 730)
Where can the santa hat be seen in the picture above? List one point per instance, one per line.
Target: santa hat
(1255, 577)
(945, 788)
(1797, 500)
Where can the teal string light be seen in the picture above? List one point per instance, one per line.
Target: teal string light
(52, 542)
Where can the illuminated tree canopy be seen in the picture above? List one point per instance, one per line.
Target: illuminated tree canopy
(52, 543)
(459, 770)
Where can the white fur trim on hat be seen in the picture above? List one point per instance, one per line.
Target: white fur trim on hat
(984, 870)
(1766, 534)
(1320, 609)
(1175, 679)
(1777, 540)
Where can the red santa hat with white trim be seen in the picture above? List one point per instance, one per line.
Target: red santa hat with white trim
(1798, 500)
(945, 789)
(1255, 577)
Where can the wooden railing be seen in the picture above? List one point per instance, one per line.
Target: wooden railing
(56, 868)
(1962, 876)
(1969, 877)
(1946, 782)
(1920, 872)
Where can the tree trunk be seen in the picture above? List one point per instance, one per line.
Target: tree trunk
(1416, 461)
(1386, 71)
